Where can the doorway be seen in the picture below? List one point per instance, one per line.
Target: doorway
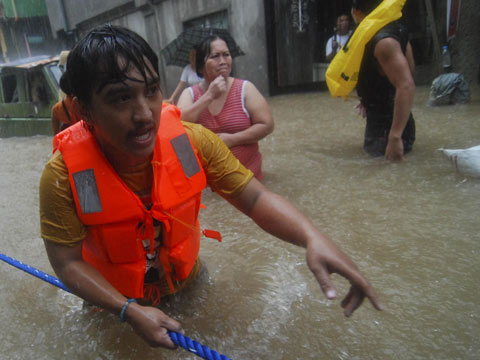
(297, 32)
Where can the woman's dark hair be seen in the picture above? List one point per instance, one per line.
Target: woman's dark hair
(203, 52)
(93, 61)
(365, 6)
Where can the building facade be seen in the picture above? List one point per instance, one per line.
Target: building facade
(161, 21)
(24, 29)
(283, 40)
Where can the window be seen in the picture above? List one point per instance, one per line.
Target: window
(217, 19)
(56, 72)
(10, 88)
(38, 87)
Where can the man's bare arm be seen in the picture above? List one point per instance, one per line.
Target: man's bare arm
(396, 67)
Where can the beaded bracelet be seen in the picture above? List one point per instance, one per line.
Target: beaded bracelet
(124, 309)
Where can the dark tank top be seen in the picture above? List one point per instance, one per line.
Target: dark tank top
(376, 91)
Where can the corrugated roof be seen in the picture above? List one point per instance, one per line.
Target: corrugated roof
(30, 62)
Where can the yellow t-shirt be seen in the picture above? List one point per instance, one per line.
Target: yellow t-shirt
(58, 217)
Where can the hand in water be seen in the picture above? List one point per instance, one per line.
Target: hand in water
(152, 325)
(325, 258)
(394, 150)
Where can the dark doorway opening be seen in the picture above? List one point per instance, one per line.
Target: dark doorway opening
(297, 33)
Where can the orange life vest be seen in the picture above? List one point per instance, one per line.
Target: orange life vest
(117, 221)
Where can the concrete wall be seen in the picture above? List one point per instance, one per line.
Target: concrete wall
(77, 12)
(246, 21)
(160, 21)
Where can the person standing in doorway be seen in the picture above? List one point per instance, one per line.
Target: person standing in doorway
(340, 37)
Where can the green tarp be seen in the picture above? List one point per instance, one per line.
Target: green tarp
(24, 8)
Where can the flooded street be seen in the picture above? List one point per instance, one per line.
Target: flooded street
(412, 228)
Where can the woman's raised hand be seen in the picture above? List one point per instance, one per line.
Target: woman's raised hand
(217, 87)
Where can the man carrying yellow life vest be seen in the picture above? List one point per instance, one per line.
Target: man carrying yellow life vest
(386, 87)
(119, 198)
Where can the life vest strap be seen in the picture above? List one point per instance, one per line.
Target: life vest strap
(167, 268)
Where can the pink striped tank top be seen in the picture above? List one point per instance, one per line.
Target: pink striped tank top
(233, 118)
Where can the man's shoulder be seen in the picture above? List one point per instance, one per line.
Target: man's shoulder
(395, 30)
(198, 134)
(56, 167)
(192, 129)
(54, 175)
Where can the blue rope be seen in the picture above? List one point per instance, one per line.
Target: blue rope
(195, 347)
(35, 272)
(180, 340)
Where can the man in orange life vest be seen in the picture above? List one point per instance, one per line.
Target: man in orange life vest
(119, 198)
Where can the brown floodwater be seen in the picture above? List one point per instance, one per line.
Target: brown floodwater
(413, 229)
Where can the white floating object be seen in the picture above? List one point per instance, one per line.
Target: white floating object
(466, 161)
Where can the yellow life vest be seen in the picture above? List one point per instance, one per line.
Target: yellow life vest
(342, 73)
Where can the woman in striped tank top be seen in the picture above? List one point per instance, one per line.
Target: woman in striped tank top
(232, 108)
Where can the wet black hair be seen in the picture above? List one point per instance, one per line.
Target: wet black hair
(93, 61)
(365, 6)
(203, 51)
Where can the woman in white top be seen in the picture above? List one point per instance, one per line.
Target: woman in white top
(189, 77)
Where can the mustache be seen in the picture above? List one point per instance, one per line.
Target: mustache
(142, 127)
